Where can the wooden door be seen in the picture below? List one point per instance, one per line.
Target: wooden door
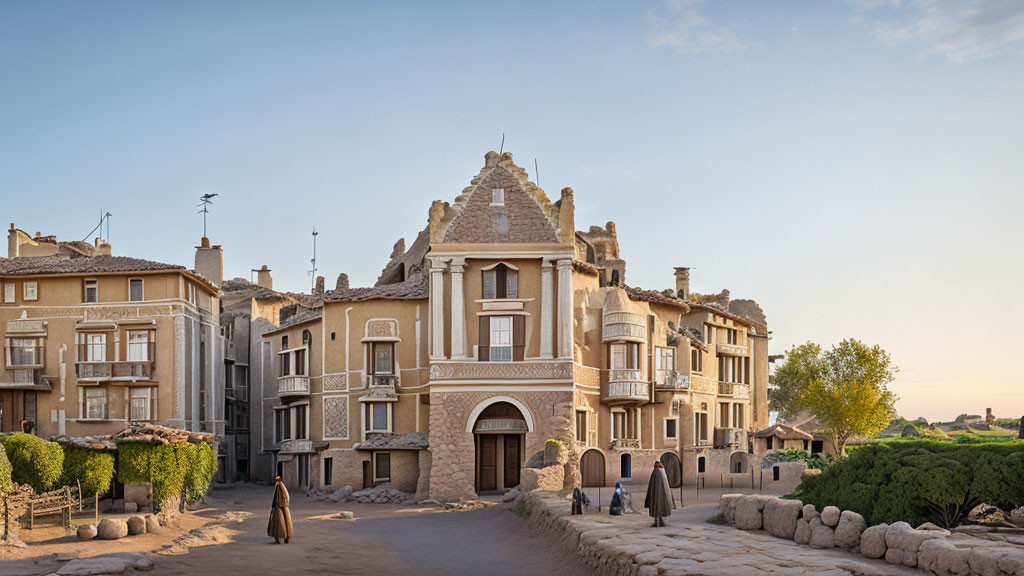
(511, 461)
(367, 474)
(487, 462)
(592, 468)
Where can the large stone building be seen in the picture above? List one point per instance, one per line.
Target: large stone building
(93, 342)
(499, 329)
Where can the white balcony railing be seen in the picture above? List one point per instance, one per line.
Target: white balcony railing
(292, 385)
(295, 446)
(382, 380)
(731, 349)
(734, 389)
(625, 443)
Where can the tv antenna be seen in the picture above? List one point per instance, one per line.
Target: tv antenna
(313, 261)
(536, 171)
(204, 208)
(104, 216)
(502, 147)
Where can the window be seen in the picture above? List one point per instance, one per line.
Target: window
(95, 347)
(23, 352)
(376, 417)
(501, 339)
(768, 443)
(733, 336)
(92, 291)
(581, 425)
(328, 470)
(709, 333)
(300, 421)
(31, 290)
(382, 470)
(665, 363)
(498, 196)
(618, 425)
(96, 403)
(700, 423)
(284, 342)
(138, 346)
(190, 290)
(696, 360)
(10, 290)
(307, 338)
(737, 416)
(670, 428)
(624, 356)
(282, 425)
(136, 292)
(30, 407)
(702, 465)
(500, 282)
(383, 358)
(141, 405)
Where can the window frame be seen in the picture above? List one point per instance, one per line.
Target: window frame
(499, 282)
(675, 429)
(10, 292)
(134, 345)
(373, 363)
(497, 196)
(581, 435)
(25, 291)
(377, 465)
(95, 342)
(147, 398)
(87, 284)
(142, 289)
(496, 331)
(89, 402)
(12, 345)
(369, 410)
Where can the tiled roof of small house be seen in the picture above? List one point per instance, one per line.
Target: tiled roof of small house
(654, 296)
(784, 432)
(39, 265)
(415, 288)
(300, 317)
(584, 267)
(240, 288)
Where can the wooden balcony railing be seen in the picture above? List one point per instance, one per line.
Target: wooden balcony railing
(126, 370)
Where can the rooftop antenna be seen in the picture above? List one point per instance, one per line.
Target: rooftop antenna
(536, 171)
(99, 226)
(107, 216)
(204, 205)
(502, 148)
(313, 261)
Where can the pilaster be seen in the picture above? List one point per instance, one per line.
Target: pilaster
(547, 296)
(564, 308)
(458, 266)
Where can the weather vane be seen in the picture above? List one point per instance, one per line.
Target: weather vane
(204, 208)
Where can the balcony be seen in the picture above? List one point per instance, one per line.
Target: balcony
(19, 357)
(126, 371)
(625, 444)
(731, 349)
(625, 386)
(295, 446)
(382, 380)
(673, 381)
(292, 386)
(730, 438)
(734, 389)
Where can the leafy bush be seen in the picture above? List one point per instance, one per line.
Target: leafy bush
(813, 462)
(34, 461)
(170, 468)
(93, 468)
(5, 472)
(922, 480)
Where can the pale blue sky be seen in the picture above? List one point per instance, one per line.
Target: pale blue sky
(854, 166)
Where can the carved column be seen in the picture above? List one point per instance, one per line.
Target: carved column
(436, 310)
(458, 266)
(547, 343)
(564, 308)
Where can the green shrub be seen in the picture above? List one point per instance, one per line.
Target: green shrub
(5, 472)
(93, 468)
(34, 461)
(170, 468)
(922, 480)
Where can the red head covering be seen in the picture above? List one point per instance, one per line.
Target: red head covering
(658, 465)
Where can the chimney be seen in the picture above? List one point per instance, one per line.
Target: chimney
(263, 278)
(210, 261)
(319, 288)
(342, 282)
(682, 282)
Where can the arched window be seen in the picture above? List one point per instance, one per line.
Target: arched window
(500, 281)
(701, 464)
(775, 473)
(626, 466)
(284, 342)
(307, 338)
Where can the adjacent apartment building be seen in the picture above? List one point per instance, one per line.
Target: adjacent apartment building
(93, 342)
(499, 328)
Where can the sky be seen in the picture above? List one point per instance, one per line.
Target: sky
(855, 167)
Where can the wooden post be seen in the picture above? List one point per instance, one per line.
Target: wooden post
(96, 499)
(7, 517)
(31, 514)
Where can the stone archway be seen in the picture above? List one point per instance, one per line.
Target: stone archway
(739, 462)
(673, 469)
(499, 431)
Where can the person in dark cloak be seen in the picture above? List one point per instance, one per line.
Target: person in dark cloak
(617, 505)
(280, 526)
(659, 501)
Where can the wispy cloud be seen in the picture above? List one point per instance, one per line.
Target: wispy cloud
(679, 24)
(959, 30)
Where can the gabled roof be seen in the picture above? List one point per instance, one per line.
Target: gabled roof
(784, 432)
(654, 296)
(41, 265)
(414, 288)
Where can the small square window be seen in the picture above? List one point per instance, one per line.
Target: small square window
(498, 196)
(31, 291)
(670, 428)
(9, 292)
(92, 291)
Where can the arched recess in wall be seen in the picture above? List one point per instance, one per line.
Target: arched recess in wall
(673, 468)
(592, 468)
(739, 462)
(475, 413)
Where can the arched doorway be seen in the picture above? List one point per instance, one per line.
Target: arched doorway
(498, 435)
(738, 462)
(673, 469)
(592, 468)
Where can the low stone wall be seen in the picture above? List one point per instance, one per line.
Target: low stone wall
(927, 547)
(548, 478)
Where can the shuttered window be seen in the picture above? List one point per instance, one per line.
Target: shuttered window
(502, 339)
(500, 282)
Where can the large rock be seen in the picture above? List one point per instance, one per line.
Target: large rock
(895, 533)
(872, 541)
(727, 507)
(112, 529)
(1017, 516)
(809, 513)
(548, 479)
(851, 526)
(152, 524)
(749, 512)
(821, 536)
(136, 525)
(86, 532)
(830, 516)
(106, 564)
(900, 536)
(780, 516)
(943, 558)
(803, 532)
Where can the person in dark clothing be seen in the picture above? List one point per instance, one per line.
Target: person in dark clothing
(579, 502)
(659, 501)
(616, 507)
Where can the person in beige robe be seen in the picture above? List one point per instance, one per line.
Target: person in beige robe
(280, 526)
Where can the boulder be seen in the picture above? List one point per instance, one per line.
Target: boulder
(851, 526)
(1017, 516)
(809, 513)
(727, 507)
(749, 512)
(511, 495)
(112, 529)
(872, 541)
(106, 564)
(131, 507)
(983, 560)
(86, 532)
(780, 517)
(152, 523)
(895, 533)
(136, 525)
(548, 479)
(1012, 562)
(802, 535)
(830, 516)
(941, 557)
(894, 556)
(822, 536)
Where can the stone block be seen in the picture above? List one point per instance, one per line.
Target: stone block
(872, 541)
(895, 534)
(780, 517)
(86, 532)
(809, 513)
(131, 507)
(727, 507)
(822, 536)
(112, 529)
(547, 479)
(152, 523)
(830, 516)
(802, 535)
(136, 525)
(749, 512)
(851, 526)
(943, 558)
